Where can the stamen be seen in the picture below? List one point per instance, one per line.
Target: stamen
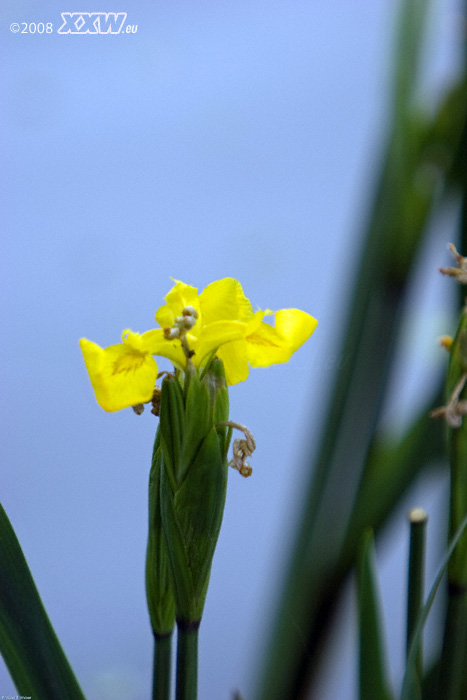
(171, 333)
(241, 448)
(182, 325)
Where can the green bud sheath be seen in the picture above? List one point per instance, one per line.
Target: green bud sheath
(172, 425)
(158, 584)
(193, 481)
(457, 437)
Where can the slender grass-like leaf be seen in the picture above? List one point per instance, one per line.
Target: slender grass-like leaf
(373, 683)
(28, 643)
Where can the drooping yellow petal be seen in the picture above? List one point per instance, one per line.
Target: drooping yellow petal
(121, 375)
(224, 300)
(268, 345)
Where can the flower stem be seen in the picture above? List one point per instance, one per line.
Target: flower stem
(162, 667)
(454, 646)
(187, 661)
(418, 524)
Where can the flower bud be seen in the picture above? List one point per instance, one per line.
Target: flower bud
(193, 481)
(172, 424)
(158, 586)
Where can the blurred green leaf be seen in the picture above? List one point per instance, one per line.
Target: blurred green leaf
(411, 31)
(373, 682)
(430, 682)
(418, 158)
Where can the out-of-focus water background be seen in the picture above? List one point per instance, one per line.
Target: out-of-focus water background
(217, 139)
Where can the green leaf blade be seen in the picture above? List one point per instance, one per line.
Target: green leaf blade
(28, 643)
(373, 681)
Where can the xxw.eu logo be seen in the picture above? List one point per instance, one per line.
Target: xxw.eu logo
(92, 22)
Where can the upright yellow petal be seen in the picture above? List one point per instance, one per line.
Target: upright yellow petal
(224, 300)
(223, 311)
(120, 375)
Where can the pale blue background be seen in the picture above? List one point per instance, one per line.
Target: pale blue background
(222, 139)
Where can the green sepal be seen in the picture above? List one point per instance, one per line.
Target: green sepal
(199, 505)
(197, 422)
(172, 425)
(373, 684)
(192, 518)
(219, 399)
(181, 577)
(158, 584)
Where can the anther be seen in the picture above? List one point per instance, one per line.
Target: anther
(190, 311)
(171, 333)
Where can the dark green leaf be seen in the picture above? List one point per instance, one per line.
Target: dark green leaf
(32, 652)
(372, 664)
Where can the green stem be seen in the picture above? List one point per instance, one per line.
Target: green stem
(454, 646)
(416, 584)
(162, 667)
(187, 661)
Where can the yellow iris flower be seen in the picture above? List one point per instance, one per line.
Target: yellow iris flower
(224, 324)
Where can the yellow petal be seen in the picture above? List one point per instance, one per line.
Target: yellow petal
(213, 336)
(120, 375)
(133, 340)
(224, 300)
(269, 345)
(233, 355)
(155, 343)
